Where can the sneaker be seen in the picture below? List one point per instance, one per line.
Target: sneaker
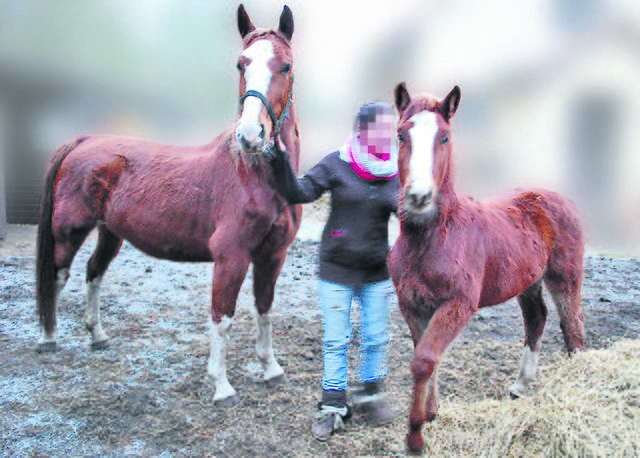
(369, 399)
(329, 420)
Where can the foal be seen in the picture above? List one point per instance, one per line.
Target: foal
(455, 255)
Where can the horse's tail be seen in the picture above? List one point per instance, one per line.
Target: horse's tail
(46, 271)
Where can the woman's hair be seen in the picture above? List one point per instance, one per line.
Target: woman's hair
(368, 113)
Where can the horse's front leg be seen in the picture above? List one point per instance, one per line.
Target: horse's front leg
(228, 274)
(266, 268)
(432, 405)
(447, 322)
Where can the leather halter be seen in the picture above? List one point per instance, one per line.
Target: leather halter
(276, 121)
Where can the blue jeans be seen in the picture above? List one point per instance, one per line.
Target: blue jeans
(335, 300)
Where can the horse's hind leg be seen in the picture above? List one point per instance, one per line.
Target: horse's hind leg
(265, 273)
(47, 342)
(67, 242)
(106, 250)
(534, 313)
(565, 288)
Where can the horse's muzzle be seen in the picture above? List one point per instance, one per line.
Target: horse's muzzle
(251, 138)
(417, 200)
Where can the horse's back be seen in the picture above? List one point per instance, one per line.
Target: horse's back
(164, 199)
(530, 232)
(553, 215)
(168, 200)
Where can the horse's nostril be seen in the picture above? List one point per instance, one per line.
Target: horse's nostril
(420, 200)
(262, 131)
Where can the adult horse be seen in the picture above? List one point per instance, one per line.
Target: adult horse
(455, 255)
(215, 202)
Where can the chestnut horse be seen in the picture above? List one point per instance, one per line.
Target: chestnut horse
(455, 255)
(215, 202)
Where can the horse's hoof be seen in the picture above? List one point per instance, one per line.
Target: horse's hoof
(415, 443)
(101, 345)
(47, 347)
(276, 381)
(411, 452)
(516, 391)
(414, 449)
(227, 402)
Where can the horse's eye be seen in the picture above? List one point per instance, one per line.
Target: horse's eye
(286, 68)
(400, 137)
(239, 66)
(444, 140)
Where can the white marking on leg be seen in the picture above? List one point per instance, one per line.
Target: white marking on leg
(47, 338)
(217, 367)
(264, 347)
(422, 135)
(258, 78)
(61, 281)
(92, 311)
(528, 367)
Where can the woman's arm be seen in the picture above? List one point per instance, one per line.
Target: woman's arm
(298, 190)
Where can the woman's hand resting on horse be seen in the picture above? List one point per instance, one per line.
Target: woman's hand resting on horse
(277, 151)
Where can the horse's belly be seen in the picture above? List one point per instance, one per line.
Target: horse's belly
(164, 240)
(173, 251)
(506, 284)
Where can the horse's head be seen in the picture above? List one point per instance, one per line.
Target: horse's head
(266, 81)
(424, 162)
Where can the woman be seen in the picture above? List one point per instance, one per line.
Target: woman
(362, 179)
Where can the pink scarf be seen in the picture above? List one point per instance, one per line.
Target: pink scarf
(370, 166)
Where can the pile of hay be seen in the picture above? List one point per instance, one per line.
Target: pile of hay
(588, 405)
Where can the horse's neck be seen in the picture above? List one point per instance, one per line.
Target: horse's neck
(446, 201)
(291, 139)
(445, 207)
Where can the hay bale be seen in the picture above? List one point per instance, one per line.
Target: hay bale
(588, 405)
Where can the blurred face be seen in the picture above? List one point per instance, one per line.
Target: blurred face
(377, 137)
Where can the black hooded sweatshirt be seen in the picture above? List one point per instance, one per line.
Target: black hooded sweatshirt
(354, 245)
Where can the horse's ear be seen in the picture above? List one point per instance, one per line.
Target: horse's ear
(402, 97)
(450, 103)
(245, 25)
(286, 23)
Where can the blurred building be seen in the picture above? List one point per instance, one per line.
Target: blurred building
(550, 92)
(40, 112)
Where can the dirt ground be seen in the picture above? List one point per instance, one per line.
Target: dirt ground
(149, 395)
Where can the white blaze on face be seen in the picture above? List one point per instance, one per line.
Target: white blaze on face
(258, 77)
(423, 132)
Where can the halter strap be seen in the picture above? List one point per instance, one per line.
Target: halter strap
(276, 121)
